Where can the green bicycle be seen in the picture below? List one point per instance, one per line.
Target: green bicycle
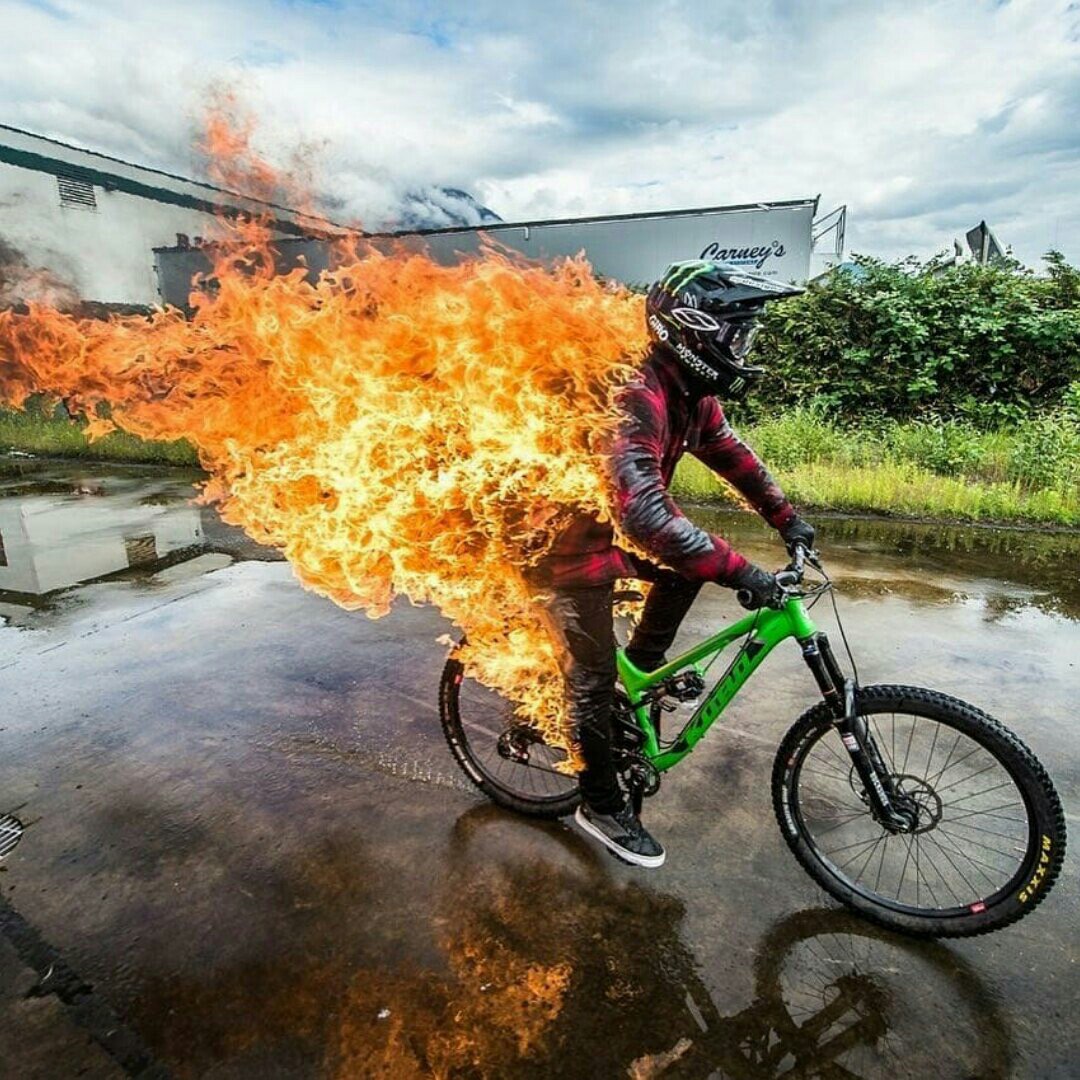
(915, 809)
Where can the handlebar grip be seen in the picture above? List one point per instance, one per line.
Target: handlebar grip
(745, 598)
(798, 556)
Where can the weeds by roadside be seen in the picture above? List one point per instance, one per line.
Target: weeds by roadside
(933, 468)
(35, 432)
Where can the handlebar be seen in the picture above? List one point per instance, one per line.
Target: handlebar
(788, 578)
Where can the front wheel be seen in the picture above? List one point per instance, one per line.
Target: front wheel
(987, 836)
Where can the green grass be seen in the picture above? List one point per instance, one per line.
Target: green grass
(36, 433)
(950, 470)
(895, 488)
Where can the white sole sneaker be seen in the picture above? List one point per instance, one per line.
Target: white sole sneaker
(651, 862)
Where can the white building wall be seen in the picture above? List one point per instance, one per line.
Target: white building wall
(105, 253)
(773, 240)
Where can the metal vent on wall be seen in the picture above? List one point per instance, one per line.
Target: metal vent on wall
(11, 830)
(75, 191)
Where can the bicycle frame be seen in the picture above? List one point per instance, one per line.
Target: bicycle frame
(763, 631)
(766, 628)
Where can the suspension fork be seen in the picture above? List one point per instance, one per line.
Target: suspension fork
(841, 695)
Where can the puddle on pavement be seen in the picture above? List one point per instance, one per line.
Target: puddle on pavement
(65, 527)
(324, 919)
(1007, 567)
(545, 963)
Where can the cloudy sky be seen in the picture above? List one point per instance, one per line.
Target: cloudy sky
(922, 117)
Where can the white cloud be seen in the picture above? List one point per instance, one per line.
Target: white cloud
(923, 117)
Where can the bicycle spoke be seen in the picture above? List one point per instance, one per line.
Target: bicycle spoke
(881, 863)
(977, 863)
(931, 839)
(986, 791)
(958, 761)
(985, 768)
(952, 750)
(971, 837)
(845, 762)
(930, 756)
(861, 844)
(870, 857)
(907, 752)
(941, 877)
(980, 828)
(839, 824)
(903, 871)
(834, 775)
(988, 813)
(976, 843)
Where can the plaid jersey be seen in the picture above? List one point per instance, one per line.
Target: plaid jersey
(663, 421)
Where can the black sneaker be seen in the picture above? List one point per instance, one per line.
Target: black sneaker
(623, 833)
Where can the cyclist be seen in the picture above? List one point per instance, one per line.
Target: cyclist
(702, 317)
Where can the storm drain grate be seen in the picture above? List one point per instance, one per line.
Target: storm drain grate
(11, 830)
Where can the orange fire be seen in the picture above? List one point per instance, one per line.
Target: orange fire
(396, 427)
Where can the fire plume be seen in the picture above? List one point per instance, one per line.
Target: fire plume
(395, 427)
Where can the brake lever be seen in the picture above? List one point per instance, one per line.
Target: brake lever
(801, 555)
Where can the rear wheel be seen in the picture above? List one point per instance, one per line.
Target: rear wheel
(987, 834)
(507, 760)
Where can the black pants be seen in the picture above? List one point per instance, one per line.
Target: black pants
(583, 622)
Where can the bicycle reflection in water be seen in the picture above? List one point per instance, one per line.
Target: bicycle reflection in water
(554, 968)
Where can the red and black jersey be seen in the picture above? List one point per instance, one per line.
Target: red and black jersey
(664, 420)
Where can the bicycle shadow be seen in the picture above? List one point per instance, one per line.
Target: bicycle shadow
(556, 966)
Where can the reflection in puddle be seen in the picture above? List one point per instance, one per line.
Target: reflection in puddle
(548, 964)
(1008, 569)
(64, 525)
(49, 541)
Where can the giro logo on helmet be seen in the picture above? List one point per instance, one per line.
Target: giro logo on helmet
(658, 328)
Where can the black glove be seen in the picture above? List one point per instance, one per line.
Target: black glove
(757, 588)
(797, 531)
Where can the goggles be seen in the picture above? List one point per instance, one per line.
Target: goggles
(737, 337)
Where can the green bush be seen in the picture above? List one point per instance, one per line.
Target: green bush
(986, 343)
(943, 447)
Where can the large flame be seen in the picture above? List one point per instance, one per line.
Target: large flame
(396, 427)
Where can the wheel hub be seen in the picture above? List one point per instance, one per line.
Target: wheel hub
(918, 804)
(921, 803)
(513, 744)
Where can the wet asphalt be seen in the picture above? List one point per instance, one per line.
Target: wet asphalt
(247, 852)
